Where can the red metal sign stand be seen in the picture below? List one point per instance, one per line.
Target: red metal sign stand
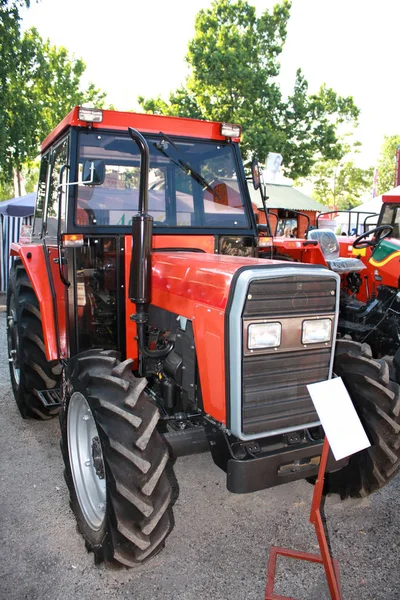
(330, 564)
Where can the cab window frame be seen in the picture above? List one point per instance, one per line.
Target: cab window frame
(246, 214)
(37, 229)
(53, 164)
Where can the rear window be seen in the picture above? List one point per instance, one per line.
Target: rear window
(191, 183)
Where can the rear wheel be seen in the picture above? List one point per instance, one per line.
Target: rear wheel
(29, 368)
(376, 398)
(115, 460)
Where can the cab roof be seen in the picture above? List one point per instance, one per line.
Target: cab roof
(145, 123)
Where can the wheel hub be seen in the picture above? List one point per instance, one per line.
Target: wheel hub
(97, 456)
(86, 460)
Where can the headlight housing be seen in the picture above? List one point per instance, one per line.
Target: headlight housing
(264, 335)
(316, 331)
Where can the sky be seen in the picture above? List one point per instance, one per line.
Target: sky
(134, 47)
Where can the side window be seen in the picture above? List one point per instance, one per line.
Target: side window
(115, 202)
(59, 158)
(41, 196)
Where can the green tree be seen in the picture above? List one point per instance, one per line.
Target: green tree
(233, 63)
(6, 191)
(29, 175)
(40, 84)
(339, 183)
(387, 163)
(9, 34)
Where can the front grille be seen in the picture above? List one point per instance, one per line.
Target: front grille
(274, 389)
(295, 295)
(273, 392)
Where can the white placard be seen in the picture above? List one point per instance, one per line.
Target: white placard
(338, 416)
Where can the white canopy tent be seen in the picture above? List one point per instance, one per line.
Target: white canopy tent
(375, 204)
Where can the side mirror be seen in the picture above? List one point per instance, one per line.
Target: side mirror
(93, 172)
(255, 174)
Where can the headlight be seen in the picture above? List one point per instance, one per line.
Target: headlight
(264, 335)
(316, 331)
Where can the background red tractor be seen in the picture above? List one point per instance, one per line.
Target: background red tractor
(140, 311)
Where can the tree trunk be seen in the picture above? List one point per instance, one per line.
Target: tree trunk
(17, 181)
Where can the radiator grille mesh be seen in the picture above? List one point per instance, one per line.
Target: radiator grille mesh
(291, 296)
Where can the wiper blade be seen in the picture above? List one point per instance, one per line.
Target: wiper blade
(185, 166)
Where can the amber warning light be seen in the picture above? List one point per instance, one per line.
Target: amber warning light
(72, 240)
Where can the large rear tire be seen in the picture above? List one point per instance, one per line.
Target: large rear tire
(377, 400)
(115, 460)
(29, 368)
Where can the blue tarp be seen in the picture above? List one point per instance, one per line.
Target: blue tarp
(23, 206)
(13, 213)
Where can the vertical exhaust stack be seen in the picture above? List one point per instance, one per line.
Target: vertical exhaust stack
(142, 231)
(140, 268)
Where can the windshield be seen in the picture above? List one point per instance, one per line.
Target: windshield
(191, 183)
(391, 216)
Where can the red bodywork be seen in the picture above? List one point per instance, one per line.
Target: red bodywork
(120, 121)
(297, 249)
(195, 286)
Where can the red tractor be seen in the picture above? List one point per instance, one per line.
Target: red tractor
(139, 311)
(368, 267)
(370, 307)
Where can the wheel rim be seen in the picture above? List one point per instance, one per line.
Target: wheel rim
(13, 341)
(86, 460)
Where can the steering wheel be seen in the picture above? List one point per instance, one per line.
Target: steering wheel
(381, 232)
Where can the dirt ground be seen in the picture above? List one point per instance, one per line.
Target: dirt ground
(218, 549)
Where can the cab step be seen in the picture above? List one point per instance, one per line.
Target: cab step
(50, 398)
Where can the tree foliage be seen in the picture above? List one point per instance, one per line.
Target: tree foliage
(387, 163)
(40, 84)
(339, 182)
(234, 63)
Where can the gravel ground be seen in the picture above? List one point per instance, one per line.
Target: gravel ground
(218, 549)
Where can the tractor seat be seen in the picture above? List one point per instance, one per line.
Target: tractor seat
(330, 249)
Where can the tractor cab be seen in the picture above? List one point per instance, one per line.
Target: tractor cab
(89, 190)
(390, 213)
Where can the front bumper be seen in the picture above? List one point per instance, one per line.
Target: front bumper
(274, 468)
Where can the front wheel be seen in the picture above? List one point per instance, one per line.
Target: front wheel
(115, 460)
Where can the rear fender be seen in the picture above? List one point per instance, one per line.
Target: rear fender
(301, 250)
(51, 302)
